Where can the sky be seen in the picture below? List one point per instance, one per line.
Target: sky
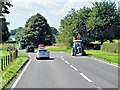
(52, 10)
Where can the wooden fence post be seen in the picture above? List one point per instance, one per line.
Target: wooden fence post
(2, 64)
(11, 57)
(6, 60)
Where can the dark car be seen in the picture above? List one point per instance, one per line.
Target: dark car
(30, 49)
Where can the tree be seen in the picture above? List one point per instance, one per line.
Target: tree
(13, 32)
(4, 33)
(6, 6)
(54, 34)
(101, 19)
(38, 30)
(20, 34)
(73, 23)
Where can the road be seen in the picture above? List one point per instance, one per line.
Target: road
(66, 71)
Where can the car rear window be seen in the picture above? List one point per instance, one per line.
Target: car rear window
(42, 50)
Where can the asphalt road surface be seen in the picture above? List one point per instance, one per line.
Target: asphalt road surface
(65, 71)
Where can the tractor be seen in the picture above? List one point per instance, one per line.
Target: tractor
(78, 48)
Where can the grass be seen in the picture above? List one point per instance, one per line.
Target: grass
(108, 56)
(3, 53)
(11, 70)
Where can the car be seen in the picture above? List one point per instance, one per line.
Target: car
(30, 49)
(42, 53)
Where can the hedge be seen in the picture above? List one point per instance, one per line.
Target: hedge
(111, 47)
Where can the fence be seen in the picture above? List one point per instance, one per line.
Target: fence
(5, 61)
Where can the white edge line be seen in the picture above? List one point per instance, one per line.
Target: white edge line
(67, 62)
(20, 75)
(74, 67)
(85, 77)
(104, 62)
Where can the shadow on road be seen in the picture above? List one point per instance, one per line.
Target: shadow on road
(83, 55)
(49, 59)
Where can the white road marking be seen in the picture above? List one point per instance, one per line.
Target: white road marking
(17, 80)
(99, 88)
(104, 62)
(74, 68)
(62, 58)
(67, 62)
(85, 77)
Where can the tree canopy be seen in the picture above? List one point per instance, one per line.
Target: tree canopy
(4, 29)
(37, 31)
(99, 23)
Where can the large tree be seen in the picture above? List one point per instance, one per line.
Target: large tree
(101, 20)
(37, 30)
(73, 23)
(4, 33)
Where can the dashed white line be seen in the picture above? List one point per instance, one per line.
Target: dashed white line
(62, 58)
(85, 77)
(74, 68)
(67, 62)
(17, 80)
(99, 88)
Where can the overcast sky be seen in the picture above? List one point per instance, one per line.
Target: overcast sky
(52, 10)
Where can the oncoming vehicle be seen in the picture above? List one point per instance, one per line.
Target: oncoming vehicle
(42, 53)
(30, 49)
(22, 45)
(78, 48)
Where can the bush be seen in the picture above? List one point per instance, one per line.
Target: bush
(7, 46)
(110, 47)
(10, 41)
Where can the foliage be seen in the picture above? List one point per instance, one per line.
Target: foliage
(6, 6)
(99, 23)
(110, 47)
(10, 41)
(5, 32)
(37, 30)
(13, 32)
(54, 34)
(20, 34)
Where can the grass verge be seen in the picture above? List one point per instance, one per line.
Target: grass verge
(3, 53)
(108, 56)
(10, 71)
